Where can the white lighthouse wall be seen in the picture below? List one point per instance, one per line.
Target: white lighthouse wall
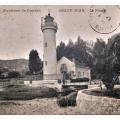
(50, 60)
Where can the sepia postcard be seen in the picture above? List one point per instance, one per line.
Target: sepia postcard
(59, 60)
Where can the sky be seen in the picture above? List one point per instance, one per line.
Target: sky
(20, 26)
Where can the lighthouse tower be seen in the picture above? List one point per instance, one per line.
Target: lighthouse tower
(49, 29)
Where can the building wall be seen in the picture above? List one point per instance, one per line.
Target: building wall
(83, 72)
(70, 66)
(79, 72)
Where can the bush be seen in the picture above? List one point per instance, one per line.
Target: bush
(13, 74)
(28, 73)
(69, 100)
(22, 92)
(80, 80)
(2, 77)
(67, 90)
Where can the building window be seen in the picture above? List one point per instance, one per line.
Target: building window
(46, 63)
(63, 68)
(45, 44)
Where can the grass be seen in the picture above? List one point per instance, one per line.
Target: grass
(22, 92)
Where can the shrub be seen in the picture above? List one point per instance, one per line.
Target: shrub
(80, 80)
(2, 77)
(28, 73)
(13, 74)
(67, 90)
(69, 100)
(22, 92)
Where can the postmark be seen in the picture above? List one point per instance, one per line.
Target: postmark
(104, 19)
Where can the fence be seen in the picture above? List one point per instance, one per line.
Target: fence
(11, 82)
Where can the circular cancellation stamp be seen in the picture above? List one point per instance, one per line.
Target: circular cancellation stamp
(104, 19)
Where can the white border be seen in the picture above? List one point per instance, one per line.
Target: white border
(59, 2)
(61, 117)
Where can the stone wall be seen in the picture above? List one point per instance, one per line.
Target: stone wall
(89, 104)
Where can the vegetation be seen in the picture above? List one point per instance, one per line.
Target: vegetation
(69, 100)
(106, 61)
(22, 92)
(13, 74)
(35, 63)
(80, 80)
(103, 58)
(78, 50)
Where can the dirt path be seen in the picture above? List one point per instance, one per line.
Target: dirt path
(37, 106)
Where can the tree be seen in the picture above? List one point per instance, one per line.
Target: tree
(78, 50)
(99, 56)
(102, 63)
(70, 50)
(112, 62)
(35, 63)
(107, 61)
(61, 50)
(70, 44)
(83, 52)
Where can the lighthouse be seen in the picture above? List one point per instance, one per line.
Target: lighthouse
(49, 29)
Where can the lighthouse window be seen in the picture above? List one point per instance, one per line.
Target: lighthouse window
(46, 63)
(45, 44)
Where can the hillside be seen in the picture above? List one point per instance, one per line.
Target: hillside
(15, 64)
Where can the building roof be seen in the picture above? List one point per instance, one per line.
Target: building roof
(66, 59)
(77, 63)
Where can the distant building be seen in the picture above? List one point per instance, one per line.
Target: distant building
(74, 69)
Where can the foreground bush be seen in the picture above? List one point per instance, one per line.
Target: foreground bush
(69, 100)
(13, 74)
(67, 91)
(21, 92)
